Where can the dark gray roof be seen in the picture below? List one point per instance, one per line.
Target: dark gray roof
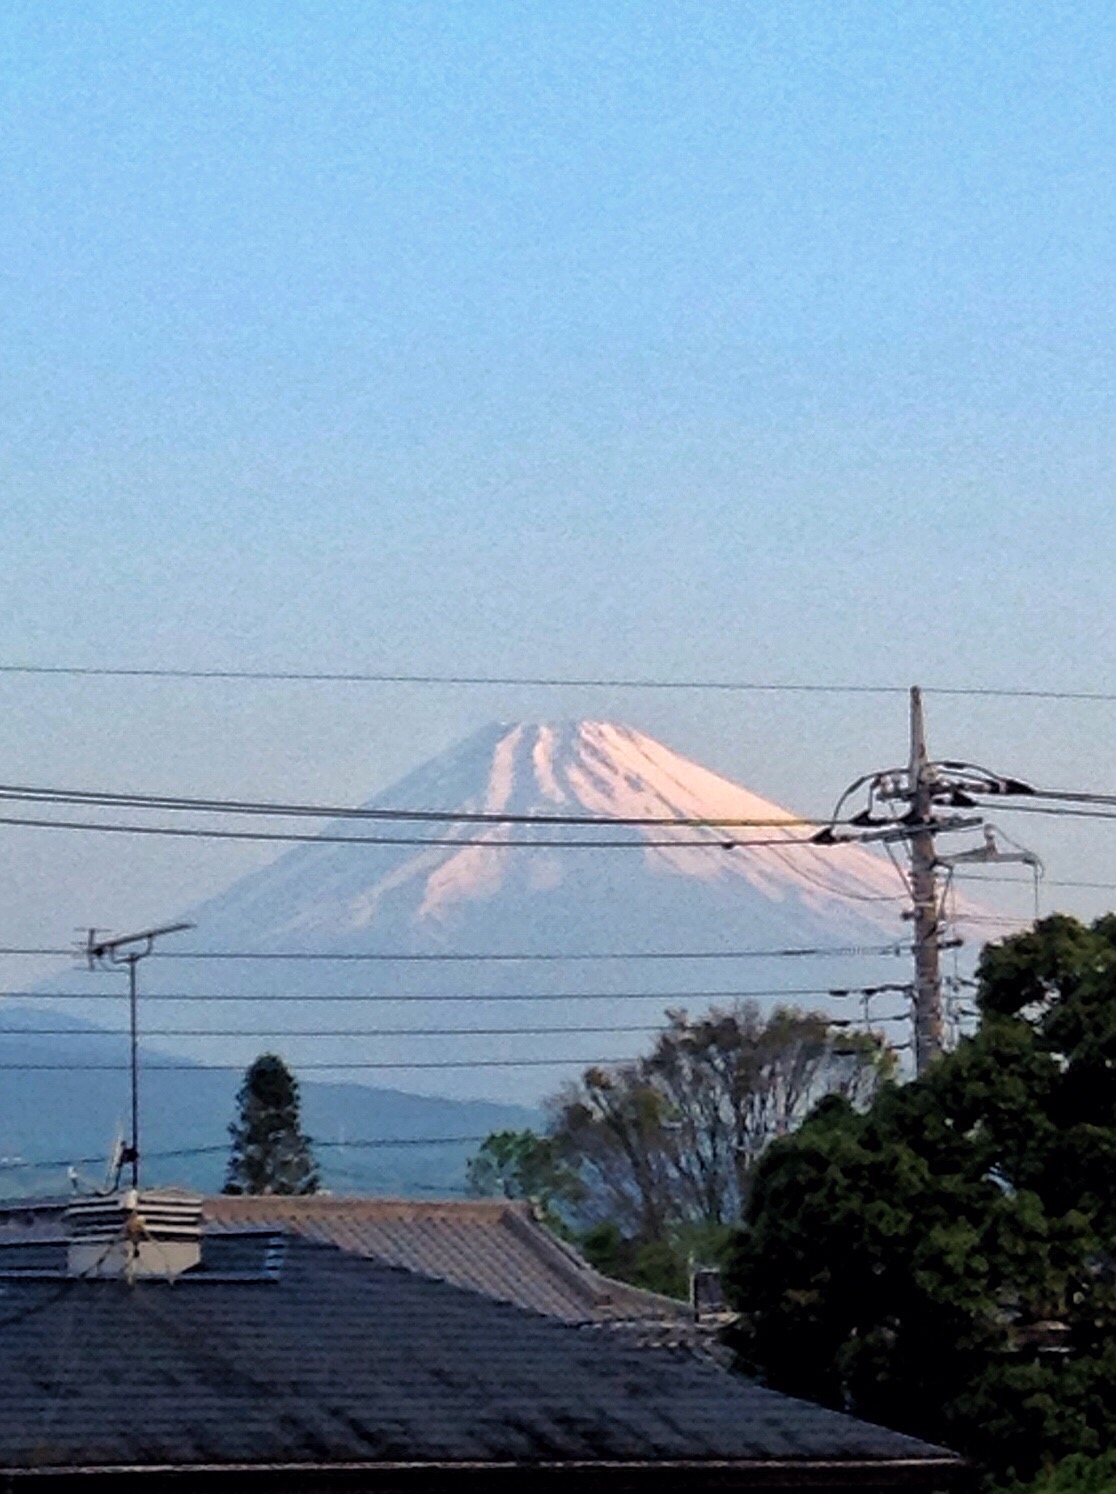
(493, 1245)
(340, 1360)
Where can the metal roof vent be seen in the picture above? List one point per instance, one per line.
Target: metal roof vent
(150, 1232)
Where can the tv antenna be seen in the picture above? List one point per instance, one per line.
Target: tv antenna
(128, 950)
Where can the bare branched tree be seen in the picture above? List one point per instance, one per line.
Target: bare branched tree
(673, 1138)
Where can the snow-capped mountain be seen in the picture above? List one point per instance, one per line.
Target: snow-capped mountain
(542, 944)
(496, 887)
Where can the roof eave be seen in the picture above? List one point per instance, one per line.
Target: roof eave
(927, 1474)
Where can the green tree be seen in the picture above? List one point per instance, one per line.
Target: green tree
(270, 1154)
(647, 1162)
(944, 1261)
(659, 1265)
(524, 1165)
(671, 1140)
(1074, 1475)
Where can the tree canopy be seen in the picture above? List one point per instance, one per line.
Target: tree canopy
(523, 1165)
(648, 1162)
(269, 1154)
(945, 1260)
(674, 1137)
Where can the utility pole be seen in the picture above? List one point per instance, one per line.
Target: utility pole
(929, 1024)
(128, 950)
(901, 809)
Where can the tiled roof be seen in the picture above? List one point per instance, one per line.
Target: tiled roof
(339, 1360)
(492, 1245)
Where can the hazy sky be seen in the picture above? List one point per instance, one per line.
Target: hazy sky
(754, 340)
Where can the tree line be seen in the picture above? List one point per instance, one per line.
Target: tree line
(650, 1163)
(937, 1255)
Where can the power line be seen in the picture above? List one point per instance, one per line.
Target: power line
(193, 832)
(194, 805)
(1055, 811)
(469, 996)
(339, 1067)
(840, 892)
(275, 1035)
(1075, 796)
(1004, 918)
(718, 838)
(786, 952)
(362, 677)
(1027, 882)
(278, 1034)
(358, 1144)
(802, 952)
(591, 1060)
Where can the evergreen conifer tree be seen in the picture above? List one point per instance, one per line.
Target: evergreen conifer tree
(270, 1154)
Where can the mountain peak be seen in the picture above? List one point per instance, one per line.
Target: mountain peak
(603, 768)
(551, 935)
(434, 881)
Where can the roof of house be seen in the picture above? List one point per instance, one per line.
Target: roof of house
(492, 1245)
(242, 1255)
(332, 1361)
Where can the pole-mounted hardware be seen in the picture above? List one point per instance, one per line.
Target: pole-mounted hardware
(904, 804)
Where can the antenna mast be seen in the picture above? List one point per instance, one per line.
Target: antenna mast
(129, 949)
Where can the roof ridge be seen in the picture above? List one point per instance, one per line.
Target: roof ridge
(329, 1203)
(579, 1272)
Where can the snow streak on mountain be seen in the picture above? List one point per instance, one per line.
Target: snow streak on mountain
(475, 893)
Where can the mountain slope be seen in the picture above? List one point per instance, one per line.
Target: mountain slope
(497, 960)
(413, 898)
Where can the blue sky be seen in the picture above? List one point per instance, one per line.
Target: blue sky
(753, 339)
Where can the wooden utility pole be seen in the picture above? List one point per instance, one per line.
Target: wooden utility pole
(929, 1022)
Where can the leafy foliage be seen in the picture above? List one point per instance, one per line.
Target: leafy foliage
(523, 1165)
(1073, 1475)
(673, 1139)
(648, 1162)
(270, 1154)
(944, 1261)
(658, 1265)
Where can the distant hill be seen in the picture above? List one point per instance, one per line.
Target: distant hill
(68, 1113)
